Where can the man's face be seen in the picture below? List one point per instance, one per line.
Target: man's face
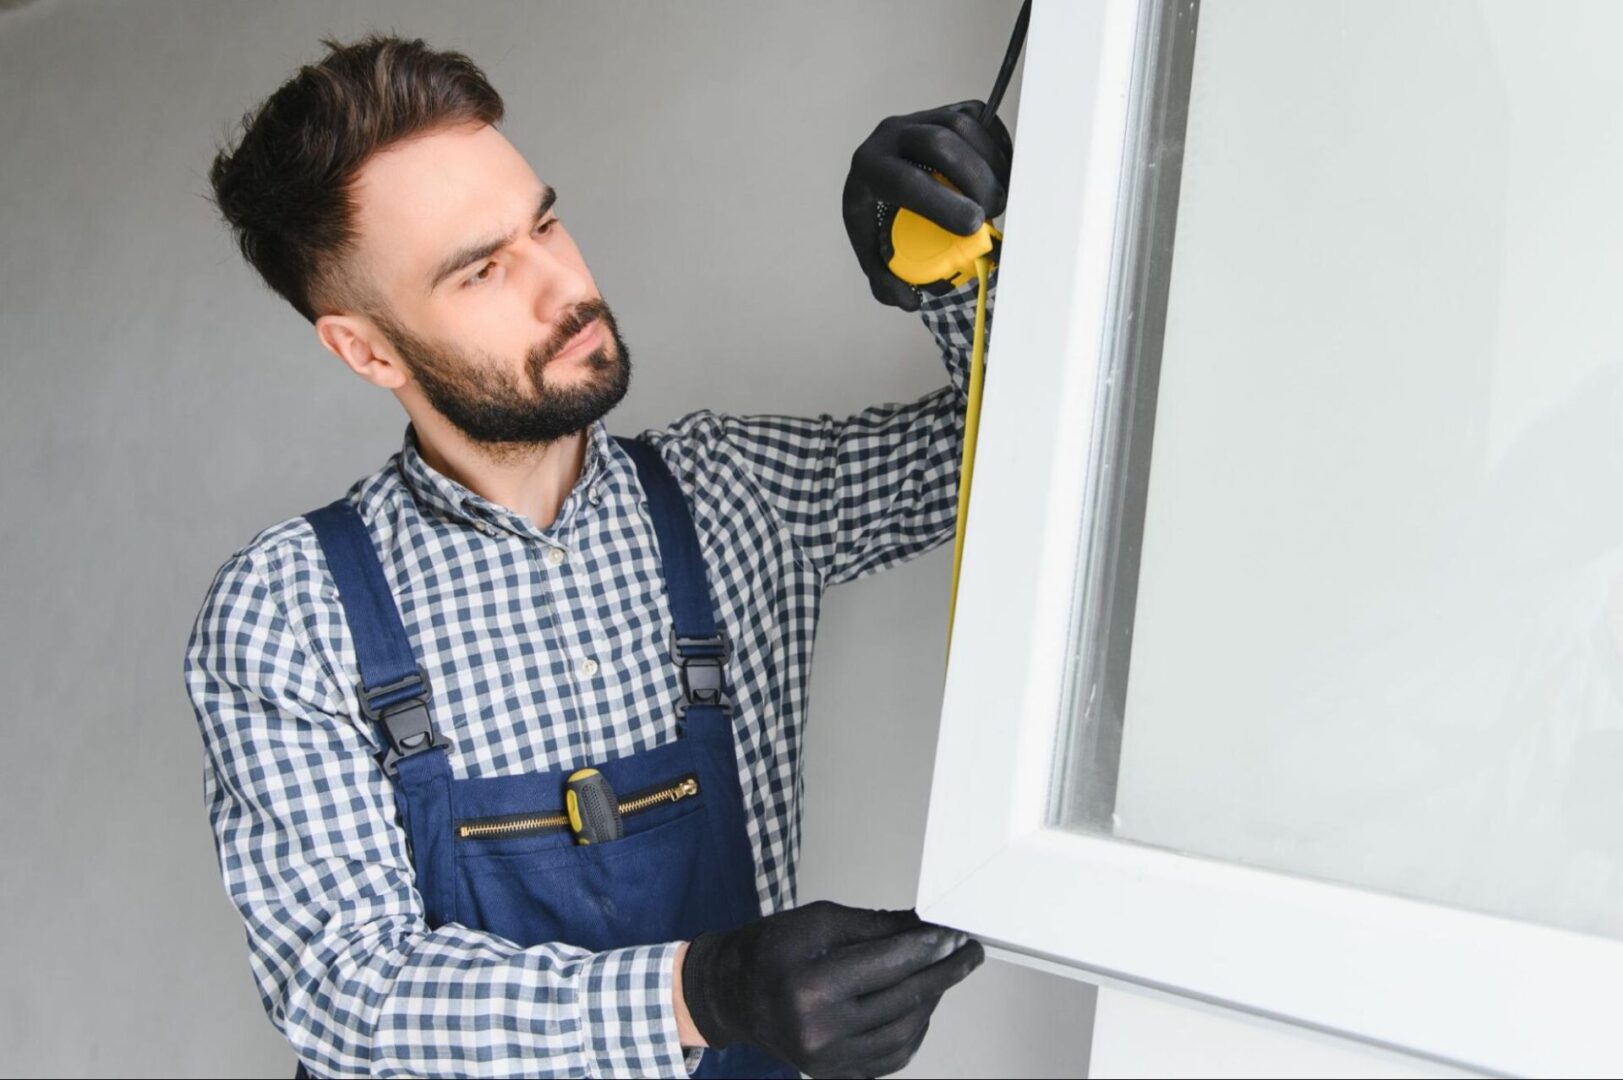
(482, 291)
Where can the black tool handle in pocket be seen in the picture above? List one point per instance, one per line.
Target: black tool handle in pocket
(594, 812)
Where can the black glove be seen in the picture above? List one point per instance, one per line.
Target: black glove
(832, 990)
(885, 174)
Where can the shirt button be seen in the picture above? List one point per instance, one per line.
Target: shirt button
(597, 495)
(556, 556)
(588, 667)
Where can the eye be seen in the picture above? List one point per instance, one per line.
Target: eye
(546, 226)
(482, 276)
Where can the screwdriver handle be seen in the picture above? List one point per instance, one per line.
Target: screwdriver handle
(594, 812)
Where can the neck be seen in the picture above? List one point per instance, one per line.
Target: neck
(532, 480)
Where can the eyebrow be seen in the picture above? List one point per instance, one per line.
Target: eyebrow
(484, 249)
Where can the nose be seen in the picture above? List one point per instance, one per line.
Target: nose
(559, 283)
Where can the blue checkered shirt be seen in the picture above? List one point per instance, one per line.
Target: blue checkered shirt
(546, 649)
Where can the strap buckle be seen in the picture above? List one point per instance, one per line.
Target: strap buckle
(702, 661)
(404, 718)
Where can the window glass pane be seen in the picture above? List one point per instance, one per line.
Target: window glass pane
(1364, 621)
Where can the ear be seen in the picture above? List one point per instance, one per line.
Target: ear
(357, 341)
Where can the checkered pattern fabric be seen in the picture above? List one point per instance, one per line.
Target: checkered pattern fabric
(545, 649)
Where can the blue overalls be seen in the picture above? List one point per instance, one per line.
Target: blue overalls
(497, 854)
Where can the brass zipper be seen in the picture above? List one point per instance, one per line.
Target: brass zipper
(484, 828)
(682, 789)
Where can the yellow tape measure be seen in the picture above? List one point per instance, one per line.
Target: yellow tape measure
(924, 254)
(972, 424)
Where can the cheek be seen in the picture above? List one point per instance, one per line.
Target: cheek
(495, 334)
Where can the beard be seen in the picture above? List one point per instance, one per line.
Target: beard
(488, 404)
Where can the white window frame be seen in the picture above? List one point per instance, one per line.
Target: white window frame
(1472, 990)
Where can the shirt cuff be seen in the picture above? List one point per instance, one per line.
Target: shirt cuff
(960, 297)
(628, 1014)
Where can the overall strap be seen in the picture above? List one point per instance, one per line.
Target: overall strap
(394, 690)
(700, 647)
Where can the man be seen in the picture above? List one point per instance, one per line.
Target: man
(502, 747)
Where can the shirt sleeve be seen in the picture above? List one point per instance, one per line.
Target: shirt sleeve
(865, 492)
(315, 860)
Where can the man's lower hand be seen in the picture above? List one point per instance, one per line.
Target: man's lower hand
(832, 990)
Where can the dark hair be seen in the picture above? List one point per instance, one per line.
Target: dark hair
(285, 188)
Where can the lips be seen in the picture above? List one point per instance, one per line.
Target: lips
(580, 341)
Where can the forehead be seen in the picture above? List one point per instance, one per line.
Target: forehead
(423, 199)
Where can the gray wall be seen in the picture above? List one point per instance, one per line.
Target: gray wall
(159, 406)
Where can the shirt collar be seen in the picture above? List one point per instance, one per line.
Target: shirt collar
(435, 491)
